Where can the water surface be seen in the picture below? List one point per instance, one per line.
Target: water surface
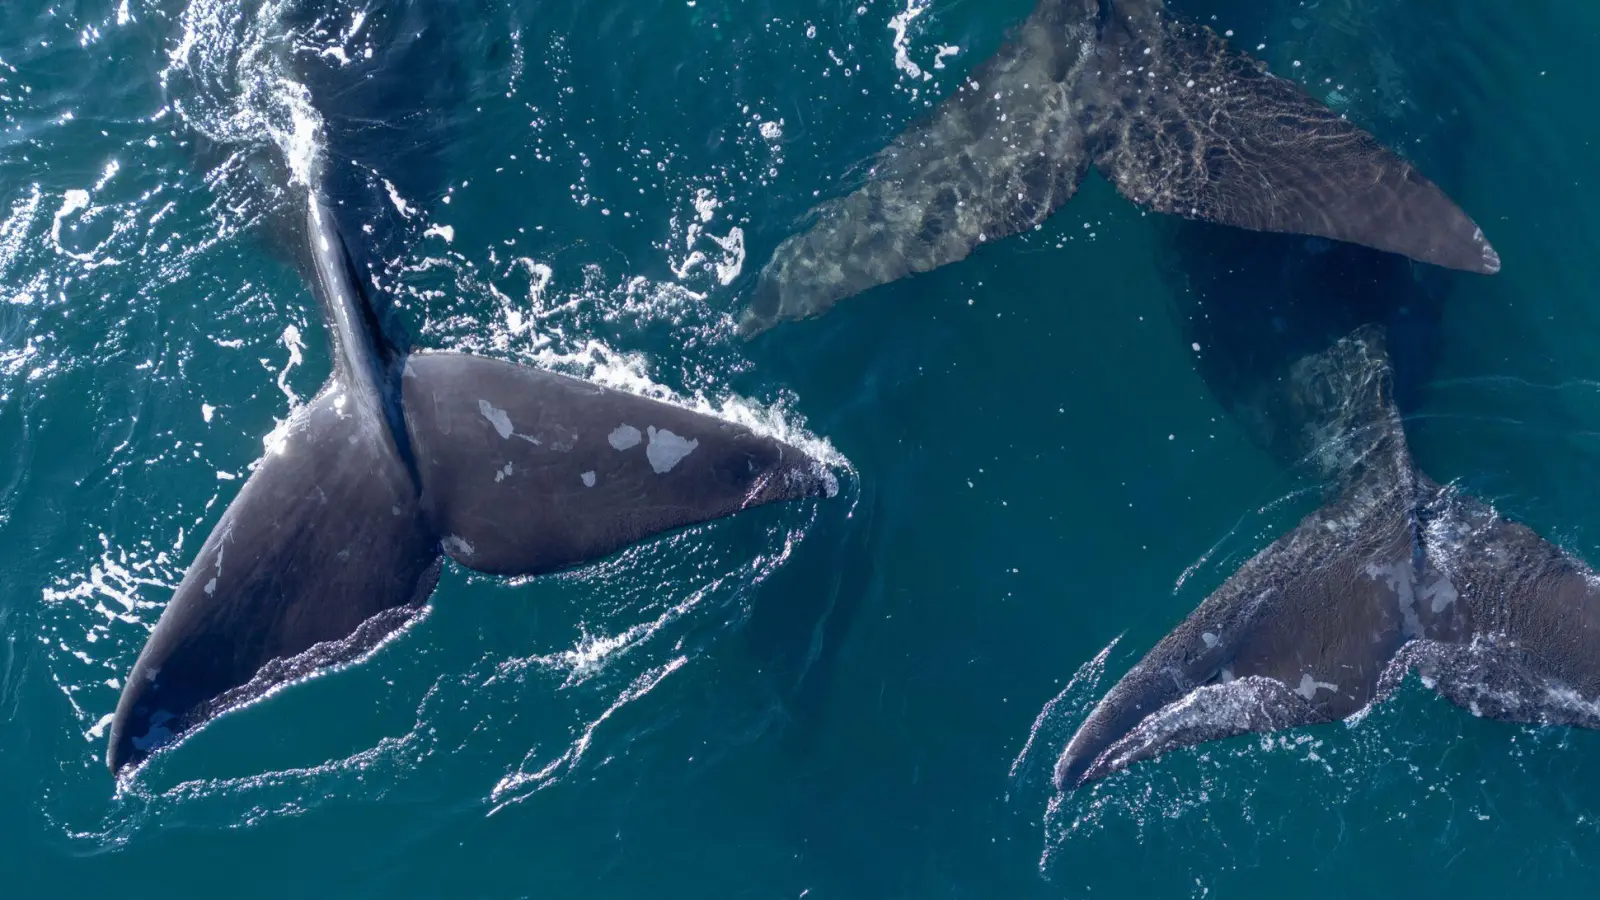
(860, 698)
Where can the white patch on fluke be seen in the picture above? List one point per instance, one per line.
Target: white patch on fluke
(1440, 593)
(666, 450)
(626, 437)
(457, 546)
(588, 479)
(497, 417)
(1400, 578)
(1309, 686)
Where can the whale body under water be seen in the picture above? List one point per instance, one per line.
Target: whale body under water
(1316, 349)
(404, 458)
(1163, 108)
(1398, 573)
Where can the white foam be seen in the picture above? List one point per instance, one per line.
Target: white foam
(705, 205)
(902, 55)
(732, 262)
(14, 230)
(71, 202)
(597, 362)
(399, 202)
(261, 103)
(291, 341)
(641, 686)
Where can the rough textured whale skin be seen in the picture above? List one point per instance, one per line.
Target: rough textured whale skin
(1397, 574)
(335, 540)
(1179, 122)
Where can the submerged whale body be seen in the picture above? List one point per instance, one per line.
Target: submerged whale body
(1397, 574)
(1162, 108)
(336, 540)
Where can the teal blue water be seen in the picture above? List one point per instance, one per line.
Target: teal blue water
(858, 698)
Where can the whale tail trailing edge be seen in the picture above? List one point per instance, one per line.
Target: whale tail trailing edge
(1276, 646)
(1396, 574)
(1210, 135)
(322, 539)
(334, 542)
(1163, 109)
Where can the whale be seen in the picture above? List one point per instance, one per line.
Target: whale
(408, 457)
(403, 459)
(1164, 109)
(335, 541)
(1397, 574)
(1266, 309)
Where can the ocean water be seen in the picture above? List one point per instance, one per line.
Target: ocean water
(856, 698)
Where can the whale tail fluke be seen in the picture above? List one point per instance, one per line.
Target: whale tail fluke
(525, 471)
(1163, 109)
(334, 542)
(1397, 574)
(1197, 130)
(997, 157)
(1303, 632)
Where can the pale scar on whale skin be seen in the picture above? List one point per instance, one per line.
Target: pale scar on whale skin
(625, 437)
(666, 450)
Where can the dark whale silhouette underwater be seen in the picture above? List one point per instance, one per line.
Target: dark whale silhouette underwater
(1398, 572)
(1316, 348)
(1163, 108)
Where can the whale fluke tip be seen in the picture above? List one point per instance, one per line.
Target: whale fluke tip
(1491, 260)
